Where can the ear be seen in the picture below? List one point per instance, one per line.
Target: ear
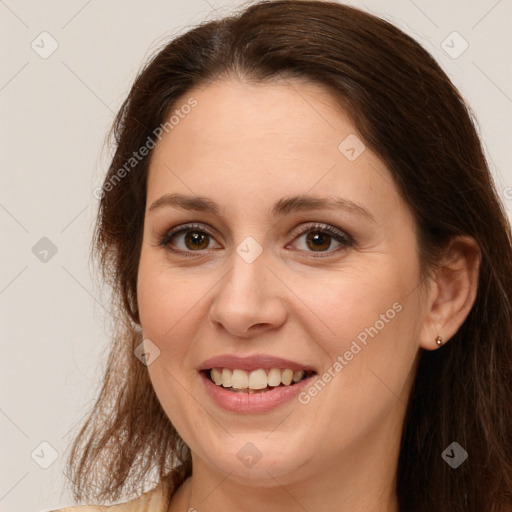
(452, 291)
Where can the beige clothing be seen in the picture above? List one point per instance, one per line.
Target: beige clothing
(154, 500)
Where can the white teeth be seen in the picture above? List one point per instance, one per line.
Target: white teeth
(274, 377)
(255, 380)
(226, 378)
(287, 377)
(239, 380)
(216, 375)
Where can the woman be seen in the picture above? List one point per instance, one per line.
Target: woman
(313, 279)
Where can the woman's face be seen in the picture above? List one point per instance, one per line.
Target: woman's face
(261, 278)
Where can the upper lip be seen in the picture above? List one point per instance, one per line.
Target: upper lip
(253, 362)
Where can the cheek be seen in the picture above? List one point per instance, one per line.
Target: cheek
(348, 304)
(172, 306)
(368, 335)
(164, 297)
(163, 301)
(168, 308)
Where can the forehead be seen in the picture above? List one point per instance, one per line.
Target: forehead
(229, 113)
(266, 139)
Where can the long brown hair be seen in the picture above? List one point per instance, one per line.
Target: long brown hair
(409, 113)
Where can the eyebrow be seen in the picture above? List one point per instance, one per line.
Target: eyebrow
(281, 208)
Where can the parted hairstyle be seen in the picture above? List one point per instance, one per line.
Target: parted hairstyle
(408, 112)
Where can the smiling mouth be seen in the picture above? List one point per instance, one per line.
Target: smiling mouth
(256, 381)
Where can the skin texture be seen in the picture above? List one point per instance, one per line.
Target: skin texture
(245, 146)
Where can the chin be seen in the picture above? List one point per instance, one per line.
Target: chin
(258, 458)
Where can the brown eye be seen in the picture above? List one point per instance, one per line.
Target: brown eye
(186, 239)
(196, 240)
(317, 240)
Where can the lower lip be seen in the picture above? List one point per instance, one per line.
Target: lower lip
(253, 402)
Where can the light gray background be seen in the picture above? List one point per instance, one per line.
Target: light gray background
(55, 113)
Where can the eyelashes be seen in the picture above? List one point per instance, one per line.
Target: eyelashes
(325, 231)
(319, 235)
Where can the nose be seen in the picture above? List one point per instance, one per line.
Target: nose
(249, 299)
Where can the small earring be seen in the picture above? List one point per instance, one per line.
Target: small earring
(439, 341)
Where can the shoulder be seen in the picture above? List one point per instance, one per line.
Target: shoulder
(154, 500)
